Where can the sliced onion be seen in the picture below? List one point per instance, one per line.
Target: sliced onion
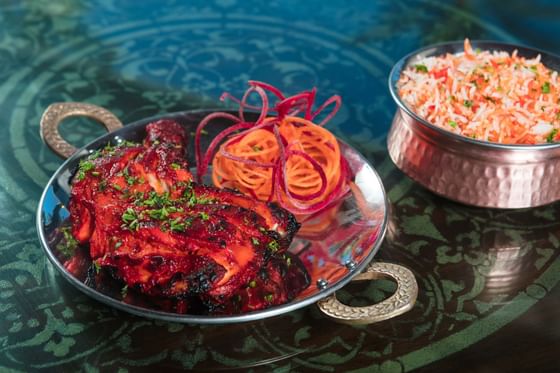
(246, 161)
(263, 108)
(202, 165)
(238, 137)
(207, 119)
(316, 166)
(275, 91)
(273, 184)
(229, 96)
(335, 194)
(284, 106)
(337, 102)
(310, 101)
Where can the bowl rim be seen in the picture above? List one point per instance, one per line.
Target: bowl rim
(401, 63)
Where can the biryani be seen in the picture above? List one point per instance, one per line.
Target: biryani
(486, 95)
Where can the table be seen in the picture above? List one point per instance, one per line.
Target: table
(489, 294)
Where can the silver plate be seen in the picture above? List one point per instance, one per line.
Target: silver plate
(351, 234)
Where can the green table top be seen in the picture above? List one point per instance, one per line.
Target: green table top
(488, 279)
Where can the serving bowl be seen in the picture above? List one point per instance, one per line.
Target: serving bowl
(470, 171)
(339, 252)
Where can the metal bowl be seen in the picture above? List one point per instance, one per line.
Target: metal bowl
(466, 170)
(333, 256)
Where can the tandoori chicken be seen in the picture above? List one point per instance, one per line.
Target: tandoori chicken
(167, 237)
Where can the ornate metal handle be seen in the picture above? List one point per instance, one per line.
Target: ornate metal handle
(56, 113)
(399, 303)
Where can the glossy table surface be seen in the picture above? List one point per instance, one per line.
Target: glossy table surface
(489, 297)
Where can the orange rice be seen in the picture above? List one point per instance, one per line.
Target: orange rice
(492, 96)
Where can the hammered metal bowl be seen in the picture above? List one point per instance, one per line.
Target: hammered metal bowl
(466, 170)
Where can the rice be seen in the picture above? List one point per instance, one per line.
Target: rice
(485, 95)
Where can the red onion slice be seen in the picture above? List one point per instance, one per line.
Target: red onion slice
(202, 166)
(337, 102)
(316, 166)
(275, 91)
(207, 119)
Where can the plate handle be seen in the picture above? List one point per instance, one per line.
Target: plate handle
(400, 302)
(57, 112)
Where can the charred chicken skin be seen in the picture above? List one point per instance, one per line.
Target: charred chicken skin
(166, 236)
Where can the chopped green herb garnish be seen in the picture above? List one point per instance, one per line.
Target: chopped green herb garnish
(176, 225)
(175, 166)
(421, 68)
(202, 132)
(189, 196)
(533, 68)
(252, 284)
(453, 124)
(552, 135)
(273, 246)
(468, 103)
(128, 144)
(96, 154)
(545, 87)
(192, 199)
(68, 243)
(130, 219)
(269, 298)
(95, 173)
(204, 216)
(130, 180)
(159, 214)
(84, 167)
(97, 266)
(129, 215)
(255, 241)
(205, 200)
(257, 148)
(157, 200)
(118, 244)
(115, 186)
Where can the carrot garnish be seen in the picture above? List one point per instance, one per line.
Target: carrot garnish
(281, 157)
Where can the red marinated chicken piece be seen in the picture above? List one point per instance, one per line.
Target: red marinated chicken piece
(166, 236)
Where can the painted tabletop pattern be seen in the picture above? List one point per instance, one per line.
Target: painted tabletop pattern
(478, 269)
